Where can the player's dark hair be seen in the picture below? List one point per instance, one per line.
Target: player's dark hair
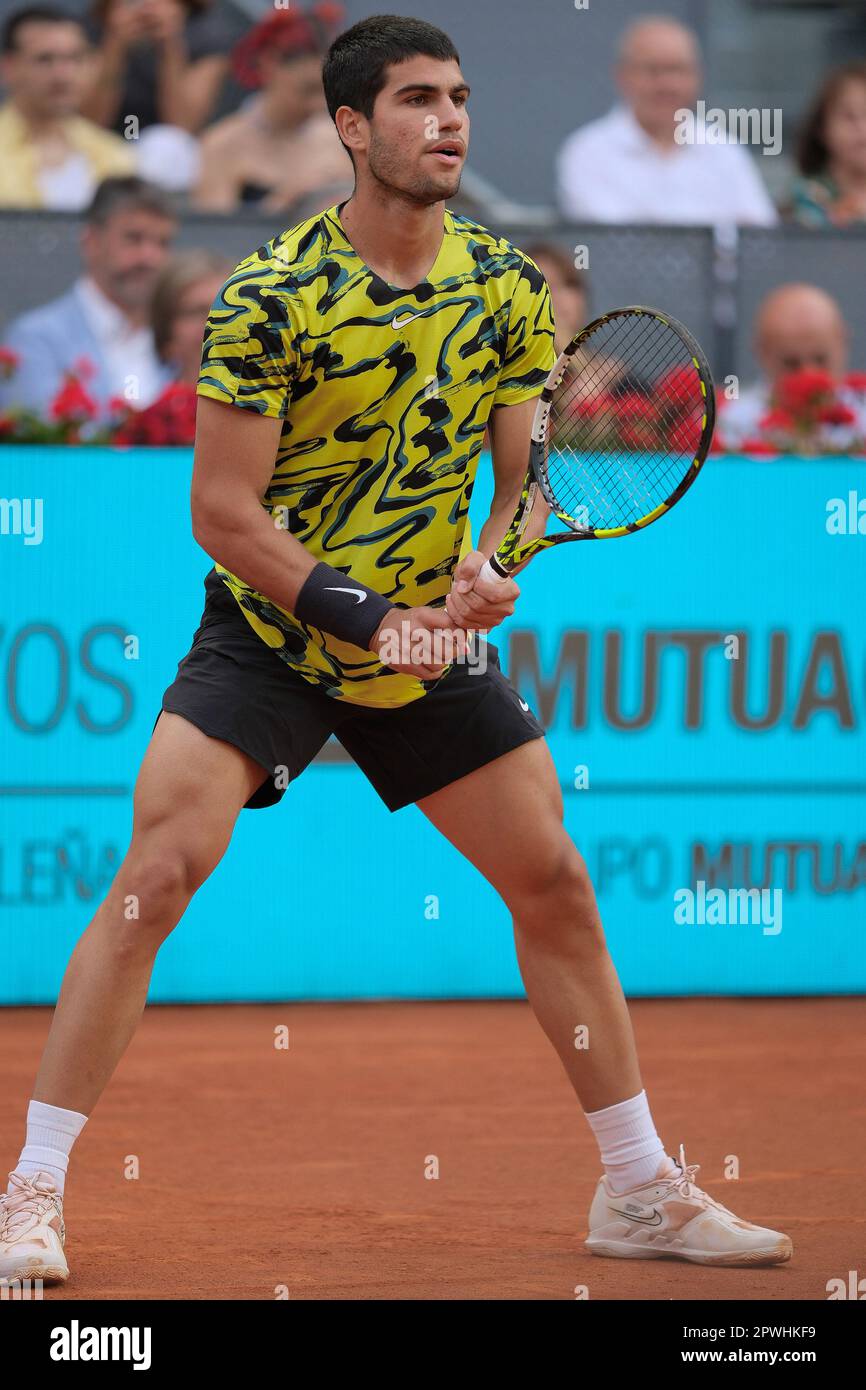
(33, 14)
(128, 193)
(357, 61)
(812, 152)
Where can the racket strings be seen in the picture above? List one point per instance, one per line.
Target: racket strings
(625, 423)
(600, 379)
(644, 455)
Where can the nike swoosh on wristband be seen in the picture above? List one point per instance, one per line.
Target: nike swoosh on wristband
(397, 322)
(361, 594)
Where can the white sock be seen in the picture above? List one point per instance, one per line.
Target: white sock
(631, 1151)
(51, 1132)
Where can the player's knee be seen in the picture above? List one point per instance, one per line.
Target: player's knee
(152, 891)
(577, 889)
(556, 889)
(155, 883)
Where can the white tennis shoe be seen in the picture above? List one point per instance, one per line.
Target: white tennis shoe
(32, 1233)
(672, 1217)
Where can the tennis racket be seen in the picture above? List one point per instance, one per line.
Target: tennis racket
(620, 433)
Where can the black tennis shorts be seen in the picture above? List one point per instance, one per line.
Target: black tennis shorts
(233, 687)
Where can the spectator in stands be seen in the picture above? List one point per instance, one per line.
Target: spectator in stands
(568, 287)
(104, 318)
(799, 329)
(50, 155)
(628, 166)
(182, 299)
(162, 61)
(280, 150)
(157, 73)
(832, 153)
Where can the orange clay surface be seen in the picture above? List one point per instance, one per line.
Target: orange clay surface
(305, 1168)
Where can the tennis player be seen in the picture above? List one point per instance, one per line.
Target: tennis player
(350, 369)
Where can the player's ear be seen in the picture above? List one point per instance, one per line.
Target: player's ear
(352, 127)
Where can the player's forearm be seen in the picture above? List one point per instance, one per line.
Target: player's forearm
(501, 516)
(250, 544)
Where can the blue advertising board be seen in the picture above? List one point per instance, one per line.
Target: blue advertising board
(703, 685)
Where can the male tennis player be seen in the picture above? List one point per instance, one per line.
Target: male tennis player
(350, 368)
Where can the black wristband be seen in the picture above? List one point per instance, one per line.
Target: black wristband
(336, 603)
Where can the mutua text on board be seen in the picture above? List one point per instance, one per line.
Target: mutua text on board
(766, 680)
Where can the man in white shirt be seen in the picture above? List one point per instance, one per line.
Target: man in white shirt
(628, 166)
(105, 317)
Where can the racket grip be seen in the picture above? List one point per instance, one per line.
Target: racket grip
(491, 569)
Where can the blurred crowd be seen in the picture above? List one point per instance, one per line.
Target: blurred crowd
(135, 111)
(137, 86)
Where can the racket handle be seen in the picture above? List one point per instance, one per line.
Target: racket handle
(491, 569)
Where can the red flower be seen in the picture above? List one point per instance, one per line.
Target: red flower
(855, 381)
(169, 420)
(778, 419)
(7, 425)
(677, 388)
(685, 435)
(636, 421)
(588, 406)
(72, 403)
(801, 392)
(633, 407)
(9, 361)
(836, 414)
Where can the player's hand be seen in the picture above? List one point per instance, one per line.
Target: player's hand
(479, 603)
(419, 642)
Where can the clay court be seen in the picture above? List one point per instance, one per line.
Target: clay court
(305, 1167)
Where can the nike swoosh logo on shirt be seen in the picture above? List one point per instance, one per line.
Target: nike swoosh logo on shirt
(336, 589)
(397, 322)
(523, 704)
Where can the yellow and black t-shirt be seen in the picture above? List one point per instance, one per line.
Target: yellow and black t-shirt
(385, 395)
